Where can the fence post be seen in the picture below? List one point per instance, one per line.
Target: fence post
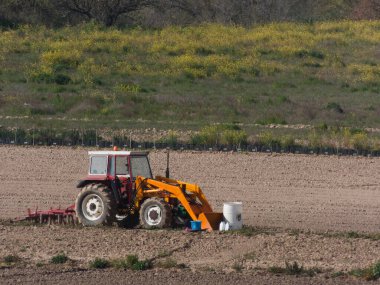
(130, 139)
(154, 138)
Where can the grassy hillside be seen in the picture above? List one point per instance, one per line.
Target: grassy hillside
(282, 73)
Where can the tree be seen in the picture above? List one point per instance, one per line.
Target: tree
(367, 9)
(104, 11)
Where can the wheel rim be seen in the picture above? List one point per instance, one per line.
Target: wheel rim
(153, 215)
(92, 207)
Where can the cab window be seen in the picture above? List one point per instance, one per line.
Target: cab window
(122, 165)
(140, 166)
(98, 165)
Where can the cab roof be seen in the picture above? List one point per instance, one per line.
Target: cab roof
(118, 152)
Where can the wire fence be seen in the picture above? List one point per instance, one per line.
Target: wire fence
(94, 138)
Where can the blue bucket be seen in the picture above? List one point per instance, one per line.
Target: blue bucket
(196, 225)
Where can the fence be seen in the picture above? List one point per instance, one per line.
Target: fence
(93, 138)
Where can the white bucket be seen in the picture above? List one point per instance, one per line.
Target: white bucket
(232, 213)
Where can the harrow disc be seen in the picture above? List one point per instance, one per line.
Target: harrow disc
(52, 216)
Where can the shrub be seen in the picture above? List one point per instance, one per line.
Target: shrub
(315, 139)
(234, 137)
(313, 53)
(100, 263)
(171, 139)
(283, 99)
(337, 274)
(210, 135)
(132, 259)
(294, 269)
(267, 139)
(360, 141)
(196, 140)
(142, 265)
(62, 79)
(9, 259)
(287, 141)
(59, 258)
(129, 88)
(317, 54)
(335, 107)
(369, 273)
(41, 76)
(61, 59)
(202, 51)
(353, 235)
(132, 262)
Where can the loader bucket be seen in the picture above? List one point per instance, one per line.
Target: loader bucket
(210, 221)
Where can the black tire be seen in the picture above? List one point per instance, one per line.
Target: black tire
(155, 213)
(129, 221)
(95, 205)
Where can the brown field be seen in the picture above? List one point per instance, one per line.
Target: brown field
(306, 201)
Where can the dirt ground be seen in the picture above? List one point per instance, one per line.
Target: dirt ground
(314, 194)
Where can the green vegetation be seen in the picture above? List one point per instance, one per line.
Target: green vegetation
(132, 262)
(282, 73)
(320, 139)
(214, 135)
(369, 273)
(100, 263)
(337, 274)
(39, 264)
(11, 259)
(294, 269)
(59, 258)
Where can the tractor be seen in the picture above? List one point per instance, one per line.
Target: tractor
(120, 188)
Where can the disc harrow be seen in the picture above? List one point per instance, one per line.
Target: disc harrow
(53, 216)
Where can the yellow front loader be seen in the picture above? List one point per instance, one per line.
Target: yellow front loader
(175, 193)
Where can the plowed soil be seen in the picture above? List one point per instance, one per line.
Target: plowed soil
(286, 193)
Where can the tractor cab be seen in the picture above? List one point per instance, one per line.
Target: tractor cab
(120, 164)
(117, 170)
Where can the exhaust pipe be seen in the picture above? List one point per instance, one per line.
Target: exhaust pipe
(167, 164)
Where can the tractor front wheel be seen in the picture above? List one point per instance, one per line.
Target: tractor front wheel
(155, 213)
(95, 205)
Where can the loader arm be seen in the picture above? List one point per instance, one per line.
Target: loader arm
(189, 195)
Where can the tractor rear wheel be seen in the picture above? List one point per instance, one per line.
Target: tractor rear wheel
(155, 213)
(95, 205)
